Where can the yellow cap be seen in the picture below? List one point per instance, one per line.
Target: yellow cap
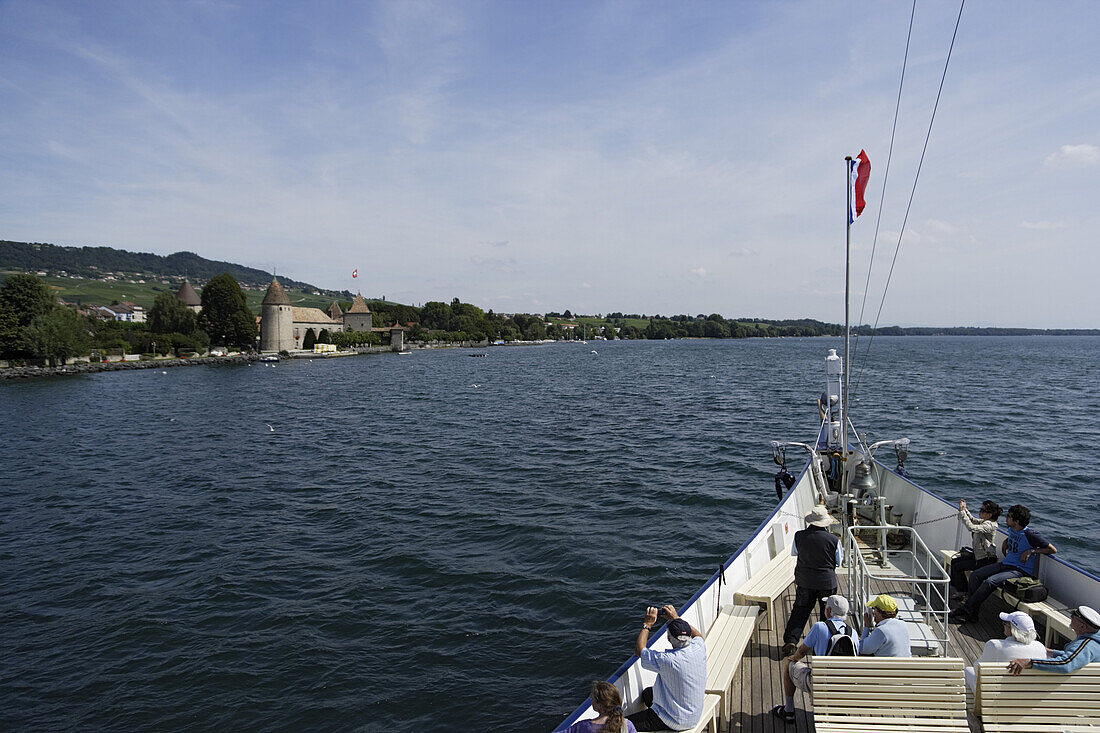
(884, 603)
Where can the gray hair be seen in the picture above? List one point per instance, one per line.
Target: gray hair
(1024, 637)
(679, 642)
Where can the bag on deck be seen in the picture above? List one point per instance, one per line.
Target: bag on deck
(1026, 590)
(840, 644)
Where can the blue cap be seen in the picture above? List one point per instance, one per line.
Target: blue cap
(678, 627)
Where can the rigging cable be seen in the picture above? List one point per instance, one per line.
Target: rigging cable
(885, 177)
(912, 193)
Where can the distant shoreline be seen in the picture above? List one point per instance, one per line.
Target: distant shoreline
(30, 372)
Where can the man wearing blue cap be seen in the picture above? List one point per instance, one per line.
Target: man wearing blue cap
(676, 699)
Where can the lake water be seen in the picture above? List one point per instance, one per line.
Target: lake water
(439, 542)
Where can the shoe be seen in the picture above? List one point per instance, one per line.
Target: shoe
(789, 649)
(781, 712)
(958, 615)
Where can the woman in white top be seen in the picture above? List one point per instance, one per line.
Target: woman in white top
(983, 531)
(1019, 643)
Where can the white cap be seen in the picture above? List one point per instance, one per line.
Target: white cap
(1019, 619)
(1090, 615)
(838, 604)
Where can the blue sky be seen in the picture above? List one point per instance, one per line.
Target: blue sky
(597, 156)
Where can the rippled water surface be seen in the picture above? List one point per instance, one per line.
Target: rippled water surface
(439, 542)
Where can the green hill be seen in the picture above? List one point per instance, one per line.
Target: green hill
(101, 275)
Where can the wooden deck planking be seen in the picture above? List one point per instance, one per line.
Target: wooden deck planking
(758, 687)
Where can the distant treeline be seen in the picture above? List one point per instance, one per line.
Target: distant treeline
(974, 331)
(463, 319)
(94, 262)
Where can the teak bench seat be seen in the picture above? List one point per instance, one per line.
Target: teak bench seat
(1036, 701)
(914, 694)
(727, 639)
(768, 583)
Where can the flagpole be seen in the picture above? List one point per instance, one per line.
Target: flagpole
(847, 324)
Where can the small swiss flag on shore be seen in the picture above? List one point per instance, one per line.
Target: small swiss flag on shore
(355, 272)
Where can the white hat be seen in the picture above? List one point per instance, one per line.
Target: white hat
(1019, 619)
(838, 604)
(1090, 615)
(819, 516)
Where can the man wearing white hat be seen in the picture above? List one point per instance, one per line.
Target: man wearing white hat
(1020, 642)
(819, 553)
(1085, 622)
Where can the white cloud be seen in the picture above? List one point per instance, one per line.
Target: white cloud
(1074, 156)
(426, 132)
(941, 227)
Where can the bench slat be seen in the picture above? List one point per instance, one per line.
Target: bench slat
(927, 695)
(1035, 699)
(767, 584)
(727, 640)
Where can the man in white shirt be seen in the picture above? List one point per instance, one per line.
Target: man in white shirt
(676, 699)
(1020, 642)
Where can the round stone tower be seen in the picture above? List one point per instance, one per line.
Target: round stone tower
(276, 320)
(189, 297)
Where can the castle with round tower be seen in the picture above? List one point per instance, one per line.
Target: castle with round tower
(276, 320)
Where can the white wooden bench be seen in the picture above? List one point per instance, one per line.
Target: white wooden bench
(727, 638)
(708, 721)
(767, 584)
(871, 694)
(1037, 702)
(1054, 621)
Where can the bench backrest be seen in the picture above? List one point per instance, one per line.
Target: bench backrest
(1035, 700)
(909, 687)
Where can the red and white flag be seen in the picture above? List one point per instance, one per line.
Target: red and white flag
(859, 172)
(355, 272)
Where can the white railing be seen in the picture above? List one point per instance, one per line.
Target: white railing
(911, 574)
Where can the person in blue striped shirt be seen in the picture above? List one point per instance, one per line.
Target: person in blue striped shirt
(675, 701)
(1085, 649)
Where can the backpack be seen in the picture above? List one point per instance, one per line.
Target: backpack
(840, 644)
(1025, 590)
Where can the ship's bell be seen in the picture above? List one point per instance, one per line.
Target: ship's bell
(863, 484)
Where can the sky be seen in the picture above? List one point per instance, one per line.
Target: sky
(642, 157)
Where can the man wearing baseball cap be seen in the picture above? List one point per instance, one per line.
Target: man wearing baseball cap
(1085, 622)
(799, 675)
(676, 699)
(1020, 642)
(884, 634)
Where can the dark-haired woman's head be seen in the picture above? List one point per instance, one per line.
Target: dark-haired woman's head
(991, 508)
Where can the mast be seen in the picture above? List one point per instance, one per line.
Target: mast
(847, 325)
